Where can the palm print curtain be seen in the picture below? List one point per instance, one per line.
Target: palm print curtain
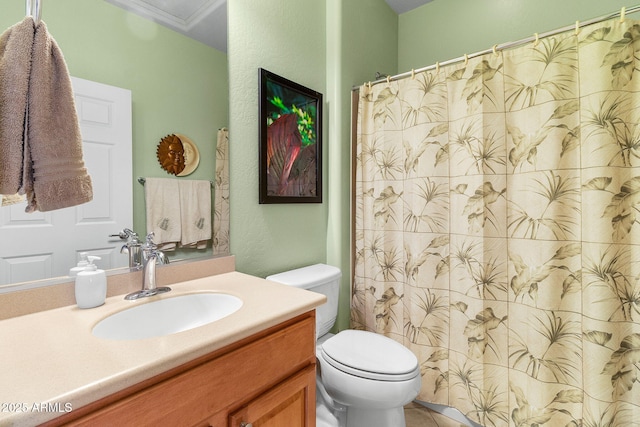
(496, 228)
(221, 212)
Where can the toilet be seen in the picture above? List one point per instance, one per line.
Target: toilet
(365, 378)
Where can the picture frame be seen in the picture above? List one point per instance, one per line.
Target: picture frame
(290, 165)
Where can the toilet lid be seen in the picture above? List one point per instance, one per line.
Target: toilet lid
(370, 355)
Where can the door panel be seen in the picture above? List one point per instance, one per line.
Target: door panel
(43, 245)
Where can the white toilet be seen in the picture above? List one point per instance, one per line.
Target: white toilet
(366, 378)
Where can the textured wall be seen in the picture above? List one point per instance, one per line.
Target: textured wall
(288, 39)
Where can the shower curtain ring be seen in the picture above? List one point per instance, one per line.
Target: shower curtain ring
(437, 67)
(466, 59)
(577, 27)
(537, 40)
(495, 51)
(623, 11)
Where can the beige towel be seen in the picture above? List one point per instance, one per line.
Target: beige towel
(11, 199)
(15, 67)
(58, 178)
(162, 200)
(195, 211)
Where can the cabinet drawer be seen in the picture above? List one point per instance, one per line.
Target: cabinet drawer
(222, 383)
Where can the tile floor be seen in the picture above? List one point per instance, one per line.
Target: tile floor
(417, 415)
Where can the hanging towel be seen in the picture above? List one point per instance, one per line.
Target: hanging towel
(53, 143)
(15, 67)
(162, 200)
(195, 211)
(12, 199)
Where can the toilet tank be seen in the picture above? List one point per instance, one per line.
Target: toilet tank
(323, 279)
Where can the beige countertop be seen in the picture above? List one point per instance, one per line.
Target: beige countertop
(51, 363)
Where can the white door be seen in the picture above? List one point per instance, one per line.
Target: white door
(46, 244)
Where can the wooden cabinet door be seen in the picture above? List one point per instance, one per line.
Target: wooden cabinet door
(291, 403)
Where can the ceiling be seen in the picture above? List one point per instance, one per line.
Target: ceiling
(402, 6)
(206, 20)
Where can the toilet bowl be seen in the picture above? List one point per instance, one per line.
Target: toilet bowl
(371, 375)
(365, 378)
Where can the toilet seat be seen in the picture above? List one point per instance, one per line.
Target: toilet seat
(370, 355)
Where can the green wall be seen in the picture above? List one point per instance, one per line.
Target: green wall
(178, 85)
(447, 29)
(328, 46)
(354, 54)
(288, 39)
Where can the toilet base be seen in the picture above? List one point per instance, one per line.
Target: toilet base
(368, 417)
(328, 412)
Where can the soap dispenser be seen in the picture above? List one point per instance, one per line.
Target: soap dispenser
(91, 285)
(82, 264)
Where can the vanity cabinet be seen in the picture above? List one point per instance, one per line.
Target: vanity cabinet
(267, 379)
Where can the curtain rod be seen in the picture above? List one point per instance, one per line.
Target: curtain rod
(621, 13)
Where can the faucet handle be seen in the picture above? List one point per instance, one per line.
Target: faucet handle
(152, 249)
(125, 234)
(134, 237)
(121, 235)
(150, 243)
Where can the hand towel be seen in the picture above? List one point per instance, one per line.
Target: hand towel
(15, 66)
(195, 211)
(162, 200)
(11, 199)
(57, 177)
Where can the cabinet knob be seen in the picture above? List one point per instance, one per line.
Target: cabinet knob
(243, 424)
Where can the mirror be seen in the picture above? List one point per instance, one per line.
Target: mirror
(177, 84)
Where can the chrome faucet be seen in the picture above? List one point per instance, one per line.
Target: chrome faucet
(150, 257)
(133, 248)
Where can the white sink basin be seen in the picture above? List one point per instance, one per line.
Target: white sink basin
(166, 316)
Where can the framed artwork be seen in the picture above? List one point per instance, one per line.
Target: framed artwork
(290, 141)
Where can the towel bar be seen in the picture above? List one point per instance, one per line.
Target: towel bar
(142, 180)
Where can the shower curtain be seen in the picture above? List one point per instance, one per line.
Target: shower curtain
(221, 208)
(497, 235)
